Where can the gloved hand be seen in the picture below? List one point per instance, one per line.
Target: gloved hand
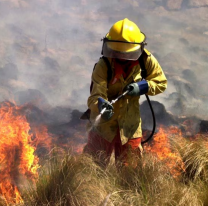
(137, 88)
(108, 113)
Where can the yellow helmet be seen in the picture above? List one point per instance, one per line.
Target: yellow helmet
(124, 41)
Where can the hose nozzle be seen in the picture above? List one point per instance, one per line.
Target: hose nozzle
(115, 100)
(103, 110)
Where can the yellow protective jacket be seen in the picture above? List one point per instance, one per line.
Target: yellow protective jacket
(126, 116)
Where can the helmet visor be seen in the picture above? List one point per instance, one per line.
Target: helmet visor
(121, 49)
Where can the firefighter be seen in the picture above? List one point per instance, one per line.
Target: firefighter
(119, 128)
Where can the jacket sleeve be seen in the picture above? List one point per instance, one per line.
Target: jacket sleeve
(156, 79)
(99, 88)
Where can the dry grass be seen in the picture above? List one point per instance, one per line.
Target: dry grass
(68, 180)
(194, 155)
(73, 180)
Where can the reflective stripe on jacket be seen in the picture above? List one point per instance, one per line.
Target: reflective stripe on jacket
(126, 116)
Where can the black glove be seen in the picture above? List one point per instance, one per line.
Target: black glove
(108, 113)
(137, 88)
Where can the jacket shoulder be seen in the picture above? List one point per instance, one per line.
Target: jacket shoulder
(147, 53)
(104, 62)
(100, 69)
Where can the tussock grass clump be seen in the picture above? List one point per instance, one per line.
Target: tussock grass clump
(194, 155)
(73, 180)
(151, 184)
(76, 180)
(145, 181)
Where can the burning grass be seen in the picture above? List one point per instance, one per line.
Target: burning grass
(173, 171)
(76, 180)
(18, 160)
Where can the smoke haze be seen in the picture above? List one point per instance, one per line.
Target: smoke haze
(48, 49)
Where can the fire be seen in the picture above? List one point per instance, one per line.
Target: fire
(17, 153)
(161, 147)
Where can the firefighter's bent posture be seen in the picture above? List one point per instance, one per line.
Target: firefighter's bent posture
(119, 128)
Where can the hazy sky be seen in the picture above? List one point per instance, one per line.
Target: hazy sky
(51, 46)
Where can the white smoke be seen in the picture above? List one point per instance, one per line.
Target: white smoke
(51, 46)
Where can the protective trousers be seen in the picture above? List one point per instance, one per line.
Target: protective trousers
(101, 149)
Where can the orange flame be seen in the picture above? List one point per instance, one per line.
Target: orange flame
(17, 158)
(161, 147)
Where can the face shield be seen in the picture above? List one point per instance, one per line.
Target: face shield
(122, 49)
